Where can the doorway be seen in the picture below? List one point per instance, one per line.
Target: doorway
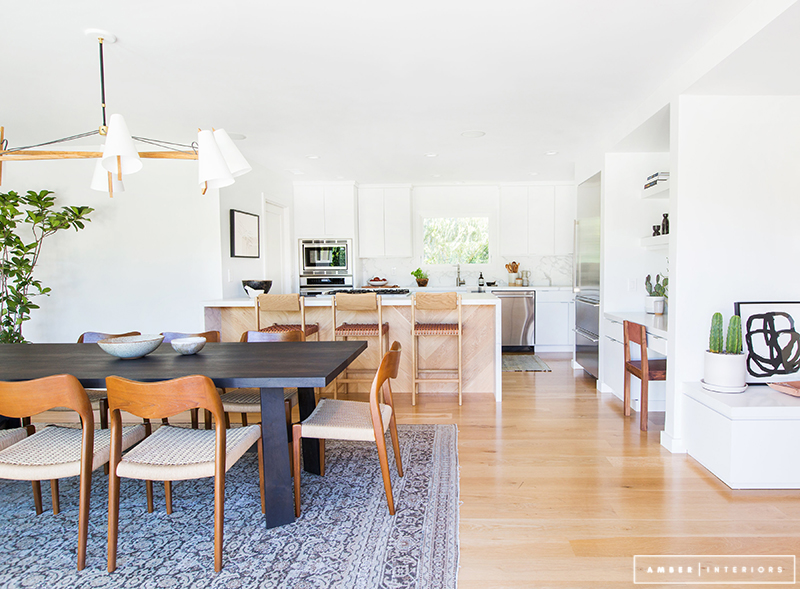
(275, 251)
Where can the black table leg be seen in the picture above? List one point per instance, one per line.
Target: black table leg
(307, 402)
(277, 475)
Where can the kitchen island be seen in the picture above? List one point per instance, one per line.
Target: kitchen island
(481, 347)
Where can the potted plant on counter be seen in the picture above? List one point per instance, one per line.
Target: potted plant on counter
(725, 368)
(656, 291)
(422, 277)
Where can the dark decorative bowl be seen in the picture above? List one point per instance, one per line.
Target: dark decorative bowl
(256, 285)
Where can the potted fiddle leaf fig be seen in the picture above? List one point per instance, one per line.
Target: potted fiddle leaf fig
(25, 221)
(725, 367)
(422, 277)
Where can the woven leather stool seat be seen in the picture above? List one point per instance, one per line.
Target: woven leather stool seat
(360, 329)
(276, 328)
(249, 400)
(12, 436)
(436, 329)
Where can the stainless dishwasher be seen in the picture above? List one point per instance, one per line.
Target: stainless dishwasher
(518, 308)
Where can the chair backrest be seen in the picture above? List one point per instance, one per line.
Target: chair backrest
(273, 336)
(637, 334)
(279, 302)
(211, 336)
(436, 301)
(22, 399)
(390, 365)
(153, 400)
(92, 337)
(367, 301)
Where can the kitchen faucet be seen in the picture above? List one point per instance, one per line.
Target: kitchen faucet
(459, 282)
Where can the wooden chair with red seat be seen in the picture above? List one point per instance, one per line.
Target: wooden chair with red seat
(174, 453)
(58, 452)
(355, 420)
(644, 369)
(284, 305)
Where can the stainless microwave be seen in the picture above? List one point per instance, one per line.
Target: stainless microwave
(326, 256)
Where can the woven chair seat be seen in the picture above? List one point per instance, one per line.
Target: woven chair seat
(249, 400)
(343, 420)
(311, 329)
(436, 329)
(12, 436)
(360, 329)
(55, 453)
(177, 454)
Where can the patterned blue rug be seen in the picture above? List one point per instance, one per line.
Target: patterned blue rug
(345, 537)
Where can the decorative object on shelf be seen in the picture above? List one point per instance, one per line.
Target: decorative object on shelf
(219, 161)
(25, 220)
(253, 288)
(665, 224)
(187, 346)
(491, 283)
(129, 347)
(422, 277)
(790, 388)
(771, 340)
(656, 230)
(655, 292)
(654, 179)
(378, 281)
(481, 281)
(724, 367)
(526, 277)
(244, 235)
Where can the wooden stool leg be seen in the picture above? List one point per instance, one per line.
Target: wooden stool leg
(643, 406)
(626, 397)
(37, 496)
(54, 494)
(207, 418)
(414, 362)
(459, 368)
(227, 421)
(195, 413)
(149, 488)
(168, 496)
(244, 419)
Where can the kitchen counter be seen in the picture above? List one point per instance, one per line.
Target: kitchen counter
(654, 324)
(481, 361)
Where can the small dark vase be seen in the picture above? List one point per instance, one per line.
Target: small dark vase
(422, 282)
(665, 225)
(656, 230)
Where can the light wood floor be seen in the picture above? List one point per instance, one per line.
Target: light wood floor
(560, 490)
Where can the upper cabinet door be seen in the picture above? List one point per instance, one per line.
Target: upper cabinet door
(397, 222)
(370, 223)
(309, 211)
(340, 211)
(541, 216)
(565, 215)
(513, 220)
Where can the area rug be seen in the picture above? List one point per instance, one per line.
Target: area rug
(524, 363)
(345, 537)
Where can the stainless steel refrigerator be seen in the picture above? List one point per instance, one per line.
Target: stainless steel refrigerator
(586, 275)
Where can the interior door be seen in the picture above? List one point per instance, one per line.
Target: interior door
(274, 247)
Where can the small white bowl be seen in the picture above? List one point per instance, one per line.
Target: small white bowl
(378, 282)
(131, 346)
(188, 345)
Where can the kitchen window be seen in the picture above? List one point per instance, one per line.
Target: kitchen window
(455, 240)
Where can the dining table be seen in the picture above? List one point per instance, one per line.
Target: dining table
(269, 366)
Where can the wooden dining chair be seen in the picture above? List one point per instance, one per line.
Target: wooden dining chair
(173, 453)
(355, 420)
(644, 369)
(58, 452)
(211, 337)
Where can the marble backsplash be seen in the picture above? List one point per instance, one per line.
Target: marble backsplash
(545, 271)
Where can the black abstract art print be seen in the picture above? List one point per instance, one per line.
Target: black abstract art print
(770, 340)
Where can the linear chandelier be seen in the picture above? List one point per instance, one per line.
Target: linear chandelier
(218, 159)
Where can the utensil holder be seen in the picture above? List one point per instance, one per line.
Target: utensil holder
(512, 278)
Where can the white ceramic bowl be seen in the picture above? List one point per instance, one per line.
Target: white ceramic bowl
(378, 282)
(188, 345)
(131, 346)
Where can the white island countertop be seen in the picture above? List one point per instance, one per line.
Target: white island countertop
(467, 298)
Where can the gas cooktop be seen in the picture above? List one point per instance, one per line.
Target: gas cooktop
(382, 291)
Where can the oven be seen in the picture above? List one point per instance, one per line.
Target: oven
(329, 257)
(316, 285)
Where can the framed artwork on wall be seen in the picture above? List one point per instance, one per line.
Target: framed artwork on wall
(244, 235)
(770, 340)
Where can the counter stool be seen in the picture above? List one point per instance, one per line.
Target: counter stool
(445, 301)
(359, 303)
(644, 369)
(284, 303)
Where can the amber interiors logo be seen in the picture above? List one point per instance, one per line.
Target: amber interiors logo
(714, 570)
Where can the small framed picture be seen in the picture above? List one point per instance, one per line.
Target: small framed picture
(244, 235)
(771, 340)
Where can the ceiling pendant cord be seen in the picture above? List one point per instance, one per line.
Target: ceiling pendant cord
(104, 128)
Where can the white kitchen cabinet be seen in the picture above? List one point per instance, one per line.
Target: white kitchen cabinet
(513, 220)
(384, 222)
(555, 319)
(565, 213)
(537, 220)
(324, 210)
(541, 220)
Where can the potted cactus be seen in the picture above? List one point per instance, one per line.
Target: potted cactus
(725, 367)
(656, 291)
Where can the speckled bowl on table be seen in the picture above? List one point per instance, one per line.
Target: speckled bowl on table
(188, 345)
(131, 346)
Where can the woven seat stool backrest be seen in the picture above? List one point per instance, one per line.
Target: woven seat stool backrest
(273, 336)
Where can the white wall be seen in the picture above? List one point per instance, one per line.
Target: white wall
(735, 214)
(146, 262)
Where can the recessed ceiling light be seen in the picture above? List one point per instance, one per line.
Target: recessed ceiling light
(296, 172)
(472, 134)
(436, 175)
(534, 173)
(313, 157)
(431, 154)
(551, 152)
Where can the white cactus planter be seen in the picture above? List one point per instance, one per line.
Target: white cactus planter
(725, 373)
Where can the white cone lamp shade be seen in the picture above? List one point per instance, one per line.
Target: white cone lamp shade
(233, 157)
(100, 180)
(119, 144)
(211, 163)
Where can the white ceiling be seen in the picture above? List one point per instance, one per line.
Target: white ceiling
(370, 87)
